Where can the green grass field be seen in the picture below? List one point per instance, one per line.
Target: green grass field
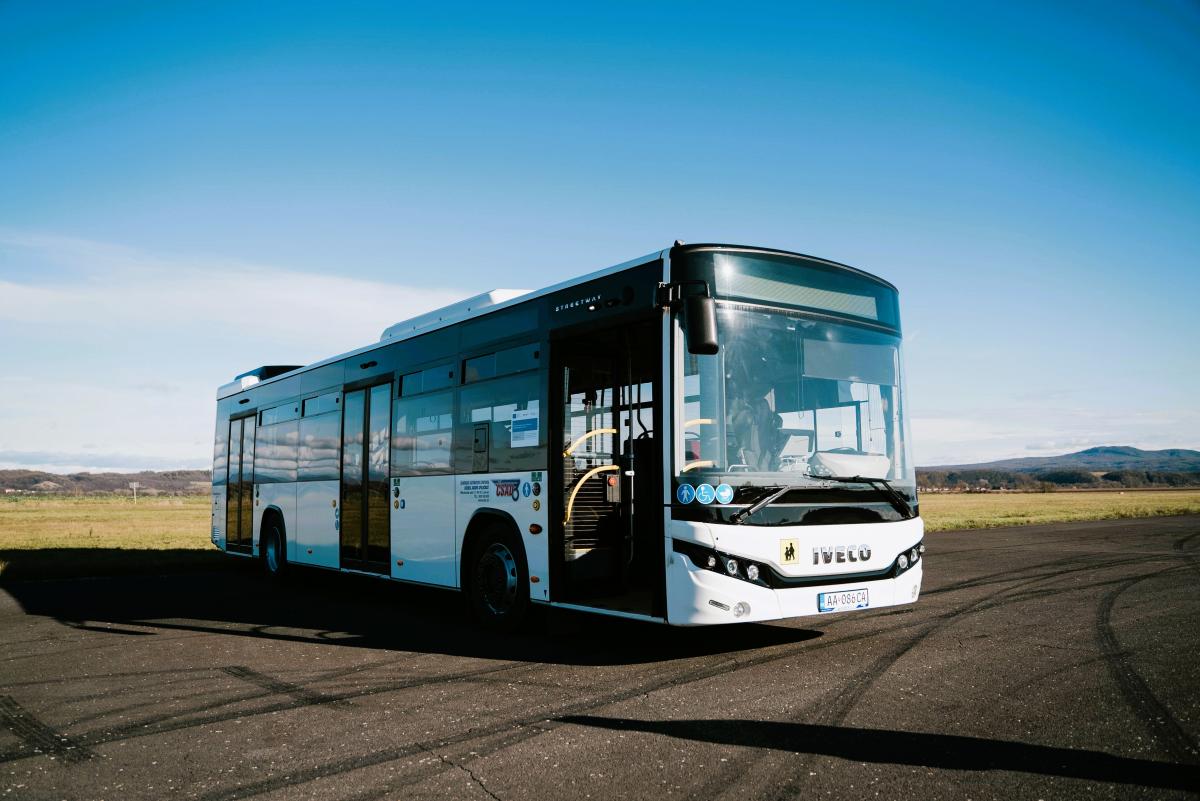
(54, 537)
(953, 511)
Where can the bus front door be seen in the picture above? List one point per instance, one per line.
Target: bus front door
(364, 518)
(606, 466)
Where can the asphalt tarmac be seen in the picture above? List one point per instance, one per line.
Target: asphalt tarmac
(1054, 662)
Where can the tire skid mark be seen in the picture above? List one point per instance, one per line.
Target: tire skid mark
(1003, 577)
(173, 722)
(37, 736)
(72, 650)
(836, 714)
(988, 580)
(304, 695)
(533, 725)
(171, 673)
(1038, 544)
(1179, 543)
(1188, 554)
(1031, 595)
(202, 693)
(521, 728)
(543, 717)
(518, 729)
(536, 724)
(463, 753)
(169, 722)
(1162, 724)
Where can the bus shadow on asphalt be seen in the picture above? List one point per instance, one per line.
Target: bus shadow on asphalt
(944, 751)
(313, 606)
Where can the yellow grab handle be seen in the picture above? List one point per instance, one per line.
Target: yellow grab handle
(571, 500)
(593, 433)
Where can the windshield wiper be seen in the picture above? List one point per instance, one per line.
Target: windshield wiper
(776, 493)
(898, 501)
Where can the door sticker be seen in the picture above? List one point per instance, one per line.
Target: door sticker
(508, 488)
(685, 493)
(724, 493)
(523, 430)
(705, 494)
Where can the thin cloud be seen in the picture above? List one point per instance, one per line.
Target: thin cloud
(103, 284)
(61, 462)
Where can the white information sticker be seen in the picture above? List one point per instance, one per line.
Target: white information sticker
(524, 429)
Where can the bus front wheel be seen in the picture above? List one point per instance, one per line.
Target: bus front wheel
(498, 580)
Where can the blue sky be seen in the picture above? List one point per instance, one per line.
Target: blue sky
(188, 190)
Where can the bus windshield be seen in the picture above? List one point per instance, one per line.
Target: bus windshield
(791, 398)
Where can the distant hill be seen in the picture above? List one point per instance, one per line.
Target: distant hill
(167, 482)
(1102, 458)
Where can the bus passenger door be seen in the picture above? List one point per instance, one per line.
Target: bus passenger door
(607, 469)
(239, 487)
(366, 435)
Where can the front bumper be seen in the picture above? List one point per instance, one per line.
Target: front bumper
(698, 595)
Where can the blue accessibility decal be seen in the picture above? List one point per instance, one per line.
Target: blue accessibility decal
(724, 493)
(705, 493)
(684, 493)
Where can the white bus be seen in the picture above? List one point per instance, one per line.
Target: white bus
(708, 434)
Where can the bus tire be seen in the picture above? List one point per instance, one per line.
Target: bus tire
(274, 547)
(497, 579)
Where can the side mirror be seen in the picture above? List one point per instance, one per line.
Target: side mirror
(701, 314)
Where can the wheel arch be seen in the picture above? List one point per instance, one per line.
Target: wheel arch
(480, 521)
(269, 513)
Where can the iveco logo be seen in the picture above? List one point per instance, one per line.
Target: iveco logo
(841, 553)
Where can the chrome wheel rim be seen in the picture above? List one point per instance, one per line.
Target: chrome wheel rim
(496, 574)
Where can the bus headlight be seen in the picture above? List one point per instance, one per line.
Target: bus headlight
(907, 559)
(707, 558)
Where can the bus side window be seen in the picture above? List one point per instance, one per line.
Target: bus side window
(421, 434)
(509, 410)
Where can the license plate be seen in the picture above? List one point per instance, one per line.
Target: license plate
(845, 599)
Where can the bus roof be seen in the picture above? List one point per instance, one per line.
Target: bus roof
(463, 310)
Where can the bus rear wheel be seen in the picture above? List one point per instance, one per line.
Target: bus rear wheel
(498, 581)
(274, 557)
